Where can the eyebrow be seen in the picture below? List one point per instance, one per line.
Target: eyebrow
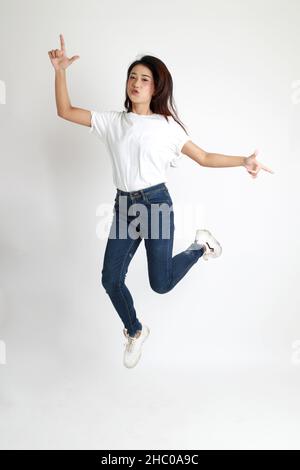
(143, 74)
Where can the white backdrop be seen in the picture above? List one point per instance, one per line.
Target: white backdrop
(222, 364)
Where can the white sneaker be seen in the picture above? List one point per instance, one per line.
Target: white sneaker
(213, 247)
(133, 350)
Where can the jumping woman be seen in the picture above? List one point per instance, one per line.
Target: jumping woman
(142, 142)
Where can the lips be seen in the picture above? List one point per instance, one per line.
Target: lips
(135, 92)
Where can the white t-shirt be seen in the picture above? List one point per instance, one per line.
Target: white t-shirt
(141, 147)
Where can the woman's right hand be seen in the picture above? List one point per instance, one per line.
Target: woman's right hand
(59, 58)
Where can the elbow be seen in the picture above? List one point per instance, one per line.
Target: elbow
(203, 158)
(63, 113)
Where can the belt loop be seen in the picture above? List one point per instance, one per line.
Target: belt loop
(145, 197)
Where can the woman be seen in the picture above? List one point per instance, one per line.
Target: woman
(142, 142)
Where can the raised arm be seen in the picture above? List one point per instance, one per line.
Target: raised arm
(65, 110)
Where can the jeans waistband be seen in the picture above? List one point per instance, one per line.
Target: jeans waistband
(140, 192)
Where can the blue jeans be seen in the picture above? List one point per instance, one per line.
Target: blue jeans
(126, 233)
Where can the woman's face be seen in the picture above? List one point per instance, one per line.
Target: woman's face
(141, 80)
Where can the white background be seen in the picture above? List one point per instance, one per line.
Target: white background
(221, 367)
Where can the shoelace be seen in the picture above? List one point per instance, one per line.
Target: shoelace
(130, 341)
(130, 344)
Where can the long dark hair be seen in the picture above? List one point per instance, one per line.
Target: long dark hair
(162, 101)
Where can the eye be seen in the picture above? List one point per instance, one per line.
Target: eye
(144, 79)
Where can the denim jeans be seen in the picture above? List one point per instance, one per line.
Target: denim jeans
(154, 224)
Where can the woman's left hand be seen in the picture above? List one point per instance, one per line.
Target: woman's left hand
(253, 166)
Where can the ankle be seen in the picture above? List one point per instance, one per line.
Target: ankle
(202, 245)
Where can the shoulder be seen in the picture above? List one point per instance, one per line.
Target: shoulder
(173, 123)
(177, 128)
(105, 119)
(106, 114)
(102, 121)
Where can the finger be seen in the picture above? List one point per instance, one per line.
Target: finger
(62, 43)
(75, 57)
(267, 169)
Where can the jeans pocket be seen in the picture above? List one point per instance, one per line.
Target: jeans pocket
(159, 197)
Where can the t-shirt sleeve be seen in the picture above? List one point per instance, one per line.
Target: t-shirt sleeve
(100, 122)
(179, 138)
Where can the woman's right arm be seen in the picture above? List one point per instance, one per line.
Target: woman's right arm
(65, 110)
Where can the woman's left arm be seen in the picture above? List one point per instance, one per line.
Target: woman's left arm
(217, 160)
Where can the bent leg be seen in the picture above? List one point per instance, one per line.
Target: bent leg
(165, 270)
